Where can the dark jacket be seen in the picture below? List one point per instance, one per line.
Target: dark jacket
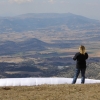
(80, 60)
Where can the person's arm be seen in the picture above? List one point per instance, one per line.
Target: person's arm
(86, 56)
(75, 57)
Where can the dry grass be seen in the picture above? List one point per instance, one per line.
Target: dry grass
(10, 59)
(52, 92)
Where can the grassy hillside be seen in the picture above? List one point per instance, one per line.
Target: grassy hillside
(52, 92)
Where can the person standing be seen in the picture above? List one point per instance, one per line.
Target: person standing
(80, 58)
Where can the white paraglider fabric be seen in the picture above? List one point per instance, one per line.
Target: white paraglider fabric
(40, 81)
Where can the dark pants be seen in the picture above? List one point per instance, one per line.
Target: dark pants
(78, 70)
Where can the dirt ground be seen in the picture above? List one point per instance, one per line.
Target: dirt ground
(52, 92)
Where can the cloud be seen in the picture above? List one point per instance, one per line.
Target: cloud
(93, 4)
(20, 1)
(57, 1)
(51, 1)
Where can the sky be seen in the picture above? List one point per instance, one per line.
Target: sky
(87, 8)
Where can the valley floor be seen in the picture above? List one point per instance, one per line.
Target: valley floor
(52, 92)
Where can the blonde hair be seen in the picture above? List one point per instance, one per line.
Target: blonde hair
(82, 49)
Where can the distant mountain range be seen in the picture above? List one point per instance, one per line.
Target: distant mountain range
(32, 44)
(47, 38)
(10, 47)
(33, 21)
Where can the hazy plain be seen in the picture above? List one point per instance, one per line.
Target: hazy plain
(53, 35)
